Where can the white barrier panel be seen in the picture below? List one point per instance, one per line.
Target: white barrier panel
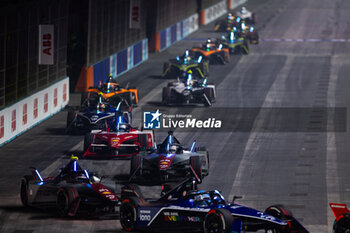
(30, 111)
(215, 11)
(190, 25)
(236, 3)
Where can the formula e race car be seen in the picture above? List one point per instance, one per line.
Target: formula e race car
(111, 89)
(235, 44)
(248, 16)
(215, 53)
(184, 209)
(74, 191)
(227, 24)
(170, 162)
(96, 113)
(249, 32)
(119, 140)
(189, 91)
(342, 217)
(178, 68)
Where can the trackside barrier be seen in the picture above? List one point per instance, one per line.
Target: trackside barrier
(116, 64)
(168, 36)
(28, 112)
(235, 3)
(211, 13)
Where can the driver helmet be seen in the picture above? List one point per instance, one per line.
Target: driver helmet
(101, 107)
(243, 10)
(173, 148)
(123, 127)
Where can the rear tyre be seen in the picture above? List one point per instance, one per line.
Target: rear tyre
(135, 165)
(24, 190)
(218, 221)
(66, 197)
(195, 163)
(128, 213)
(70, 125)
(165, 95)
(87, 141)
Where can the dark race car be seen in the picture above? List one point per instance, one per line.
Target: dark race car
(215, 53)
(179, 67)
(235, 43)
(342, 217)
(96, 113)
(73, 191)
(184, 209)
(189, 91)
(170, 162)
(226, 24)
(249, 32)
(118, 140)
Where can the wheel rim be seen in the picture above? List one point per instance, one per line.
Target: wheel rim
(24, 193)
(127, 217)
(213, 224)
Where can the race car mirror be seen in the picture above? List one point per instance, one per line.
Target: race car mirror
(235, 198)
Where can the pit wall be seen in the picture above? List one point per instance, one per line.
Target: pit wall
(116, 64)
(168, 36)
(23, 115)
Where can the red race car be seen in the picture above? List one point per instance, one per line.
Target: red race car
(342, 217)
(121, 141)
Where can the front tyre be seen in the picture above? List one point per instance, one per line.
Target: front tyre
(66, 198)
(24, 189)
(218, 221)
(128, 214)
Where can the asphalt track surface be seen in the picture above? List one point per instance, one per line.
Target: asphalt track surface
(301, 62)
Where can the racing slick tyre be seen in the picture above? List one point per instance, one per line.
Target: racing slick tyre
(218, 221)
(209, 92)
(83, 97)
(196, 165)
(135, 165)
(133, 96)
(280, 212)
(66, 200)
(24, 190)
(128, 213)
(128, 96)
(165, 95)
(87, 141)
(343, 224)
(203, 150)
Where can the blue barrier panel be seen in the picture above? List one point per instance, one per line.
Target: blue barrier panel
(173, 33)
(137, 53)
(101, 71)
(122, 61)
(163, 39)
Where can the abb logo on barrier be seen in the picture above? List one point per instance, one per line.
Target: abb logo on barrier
(55, 97)
(64, 92)
(13, 120)
(46, 102)
(24, 120)
(2, 125)
(35, 108)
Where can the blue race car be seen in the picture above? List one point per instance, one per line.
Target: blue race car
(185, 209)
(96, 113)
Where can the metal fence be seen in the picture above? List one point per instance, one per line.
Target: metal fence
(109, 29)
(20, 74)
